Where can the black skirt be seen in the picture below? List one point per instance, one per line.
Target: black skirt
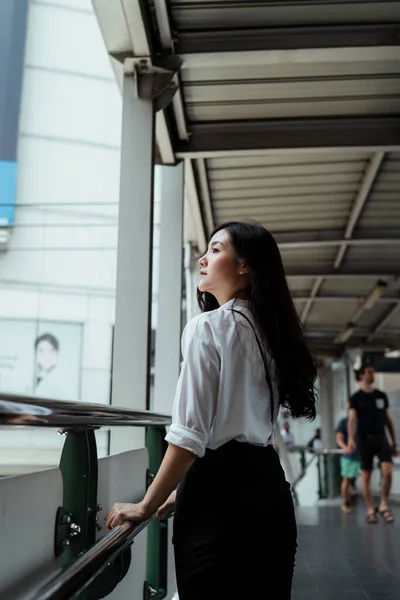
(234, 527)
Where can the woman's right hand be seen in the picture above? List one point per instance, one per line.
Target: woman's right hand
(167, 506)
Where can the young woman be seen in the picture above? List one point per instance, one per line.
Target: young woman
(244, 357)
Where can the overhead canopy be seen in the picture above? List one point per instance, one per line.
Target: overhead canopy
(288, 112)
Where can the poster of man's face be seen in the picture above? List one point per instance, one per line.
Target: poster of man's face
(40, 358)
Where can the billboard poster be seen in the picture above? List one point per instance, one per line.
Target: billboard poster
(41, 358)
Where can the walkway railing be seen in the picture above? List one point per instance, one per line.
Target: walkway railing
(86, 567)
(326, 460)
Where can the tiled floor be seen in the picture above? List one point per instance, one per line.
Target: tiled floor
(340, 557)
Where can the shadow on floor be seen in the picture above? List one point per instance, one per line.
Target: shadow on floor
(340, 557)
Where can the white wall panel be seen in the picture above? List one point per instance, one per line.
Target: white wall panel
(71, 108)
(49, 38)
(37, 518)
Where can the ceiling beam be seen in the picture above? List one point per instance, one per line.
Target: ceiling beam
(293, 59)
(359, 203)
(164, 24)
(193, 203)
(344, 298)
(395, 241)
(287, 38)
(289, 238)
(310, 271)
(167, 43)
(309, 302)
(301, 274)
(205, 194)
(327, 132)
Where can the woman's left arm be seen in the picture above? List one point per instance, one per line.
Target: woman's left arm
(193, 415)
(176, 463)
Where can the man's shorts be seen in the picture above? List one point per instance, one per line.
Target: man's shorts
(371, 446)
(349, 467)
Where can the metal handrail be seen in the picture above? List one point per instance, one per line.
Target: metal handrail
(300, 477)
(44, 412)
(81, 573)
(293, 449)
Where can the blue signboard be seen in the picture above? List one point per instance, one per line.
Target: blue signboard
(8, 184)
(13, 18)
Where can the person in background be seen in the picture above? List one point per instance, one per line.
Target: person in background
(316, 441)
(287, 435)
(350, 465)
(369, 415)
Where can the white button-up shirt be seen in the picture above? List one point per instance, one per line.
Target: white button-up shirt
(222, 392)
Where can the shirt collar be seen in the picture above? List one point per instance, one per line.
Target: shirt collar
(236, 301)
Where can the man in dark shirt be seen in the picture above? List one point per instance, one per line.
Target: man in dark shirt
(370, 415)
(349, 464)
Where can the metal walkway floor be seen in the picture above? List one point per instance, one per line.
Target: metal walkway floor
(340, 557)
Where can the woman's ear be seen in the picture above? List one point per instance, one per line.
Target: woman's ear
(243, 269)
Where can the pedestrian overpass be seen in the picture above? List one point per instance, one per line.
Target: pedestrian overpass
(284, 112)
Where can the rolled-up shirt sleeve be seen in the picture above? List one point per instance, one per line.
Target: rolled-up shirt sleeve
(196, 393)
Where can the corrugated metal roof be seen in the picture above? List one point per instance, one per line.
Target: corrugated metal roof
(295, 193)
(382, 209)
(288, 113)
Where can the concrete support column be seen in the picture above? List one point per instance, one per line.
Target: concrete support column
(340, 391)
(169, 304)
(327, 419)
(326, 404)
(131, 363)
(354, 361)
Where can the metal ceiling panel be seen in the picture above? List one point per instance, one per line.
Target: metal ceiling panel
(393, 323)
(270, 160)
(299, 181)
(230, 92)
(371, 317)
(322, 257)
(213, 14)
(383, 206)
(301, 224)
(317, 72)
(351, 287)
(300, 286)
(331, 314)
(293, 107)
(308, 201)
(304, 192)
(286, 170)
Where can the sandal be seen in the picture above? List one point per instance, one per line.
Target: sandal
(371, 519)
(387, 515)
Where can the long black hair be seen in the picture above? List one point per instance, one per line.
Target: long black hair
(271, 305)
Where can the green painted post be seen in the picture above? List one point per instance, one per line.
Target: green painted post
(79, 470)
(320, 490)
(326, 475)
(157, 540)
(303, 461)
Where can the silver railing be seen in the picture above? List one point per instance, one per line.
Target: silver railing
(67, 584)
(327, 468)
(81, 561)
(42, 412)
